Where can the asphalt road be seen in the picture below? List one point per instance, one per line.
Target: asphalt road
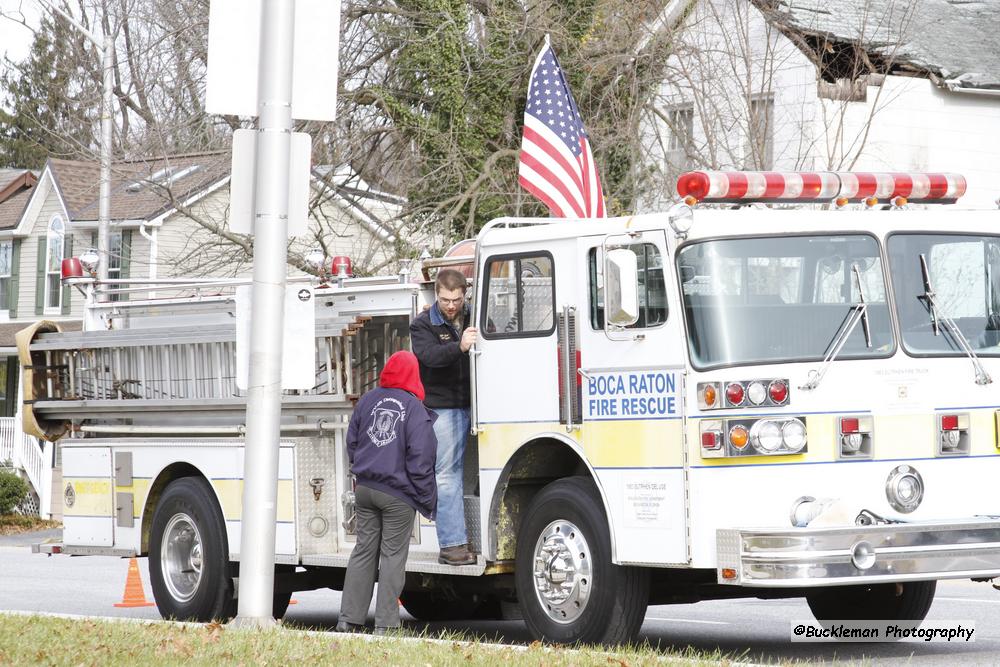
(751, 630)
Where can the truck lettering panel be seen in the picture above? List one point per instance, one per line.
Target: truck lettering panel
(637, 394)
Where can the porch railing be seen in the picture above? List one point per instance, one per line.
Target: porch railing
(33, 457)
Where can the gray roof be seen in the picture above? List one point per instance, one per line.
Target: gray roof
(948, 39)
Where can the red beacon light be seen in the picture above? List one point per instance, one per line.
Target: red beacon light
(819, 186)
(340, 267)
(72, 268)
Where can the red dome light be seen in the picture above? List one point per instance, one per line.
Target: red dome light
(734, 393)
(71, 268)
(778, 391)
(694, 184)
(341, 267)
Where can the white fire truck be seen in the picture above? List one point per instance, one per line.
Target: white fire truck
(771, 401)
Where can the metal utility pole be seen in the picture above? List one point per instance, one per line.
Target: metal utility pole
(107, 46)
(260, 488)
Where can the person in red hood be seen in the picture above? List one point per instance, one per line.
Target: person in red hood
(392, 452)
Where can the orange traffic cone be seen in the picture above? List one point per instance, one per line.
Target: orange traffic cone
(134, 597)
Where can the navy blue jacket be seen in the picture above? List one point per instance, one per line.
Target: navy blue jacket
(444, 368)
(392, 448)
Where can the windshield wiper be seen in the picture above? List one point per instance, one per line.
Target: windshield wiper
(930, 301)
(857, 313)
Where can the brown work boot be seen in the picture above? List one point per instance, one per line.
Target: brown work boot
(456, 555)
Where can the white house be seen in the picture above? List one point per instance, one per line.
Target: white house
(864, 85)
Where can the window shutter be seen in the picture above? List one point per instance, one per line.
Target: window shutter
(15, 279)
(67, 291)
(40, 277)
(126, 259)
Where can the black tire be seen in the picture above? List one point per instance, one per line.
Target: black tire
(189, 510)
(615, 604)
(281, 602)
(881, 602)
(431, 606)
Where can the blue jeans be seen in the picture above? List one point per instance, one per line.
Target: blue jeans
(451, 430)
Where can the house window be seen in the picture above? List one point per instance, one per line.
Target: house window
(681, 121)
(6, 260)
(53, 263)
(519, 297)
(117, 256)
(759, 149)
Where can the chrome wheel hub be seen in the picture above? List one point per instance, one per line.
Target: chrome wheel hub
(181, 557)
(562, 571)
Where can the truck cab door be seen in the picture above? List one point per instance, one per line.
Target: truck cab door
(516, 357)
(631, 403)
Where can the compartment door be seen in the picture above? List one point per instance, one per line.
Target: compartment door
(88, 497)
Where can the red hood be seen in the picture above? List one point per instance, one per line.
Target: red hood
(403, 372)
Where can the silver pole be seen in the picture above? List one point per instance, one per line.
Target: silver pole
(107, 46)
(260, 474)
(104, 209)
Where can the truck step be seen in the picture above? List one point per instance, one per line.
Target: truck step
(418, 562)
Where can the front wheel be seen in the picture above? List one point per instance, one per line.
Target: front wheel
(568, 589)
(189, 554)
(880, 602)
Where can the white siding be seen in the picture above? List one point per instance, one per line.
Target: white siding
(916, 126)
(727, 53)
(187, 248)
(45, 204)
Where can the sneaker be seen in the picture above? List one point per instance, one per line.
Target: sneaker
(456, 555)
(344, 626)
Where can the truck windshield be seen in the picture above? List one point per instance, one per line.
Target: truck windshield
(766, 300)
(963, 272)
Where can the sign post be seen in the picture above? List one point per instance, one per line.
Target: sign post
(270, 224)
(276, 59)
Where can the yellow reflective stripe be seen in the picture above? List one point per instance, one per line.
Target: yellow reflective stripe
(634, 443)
(231, 497)
(93, 497)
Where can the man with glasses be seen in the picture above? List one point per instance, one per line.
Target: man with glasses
(441, 338)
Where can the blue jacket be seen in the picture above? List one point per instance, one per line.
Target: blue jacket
(392, 448)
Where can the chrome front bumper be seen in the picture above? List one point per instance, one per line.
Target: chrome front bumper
(793, 557)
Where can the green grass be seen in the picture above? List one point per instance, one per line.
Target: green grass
(14, 524)
(38, 640)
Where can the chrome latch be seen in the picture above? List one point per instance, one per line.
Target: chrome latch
(317, 486)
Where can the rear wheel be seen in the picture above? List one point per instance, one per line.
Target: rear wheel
(568, 588)
(881, 602)
(189, 554)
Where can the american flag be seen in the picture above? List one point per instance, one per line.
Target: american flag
(556, 163)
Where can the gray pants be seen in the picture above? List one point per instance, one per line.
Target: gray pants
(384, 526)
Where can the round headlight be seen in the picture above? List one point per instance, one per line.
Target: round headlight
(765, 436)
(793, 435)
(756, 393)
(904, 489)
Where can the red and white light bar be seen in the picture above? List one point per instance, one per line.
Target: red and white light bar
(807, 186)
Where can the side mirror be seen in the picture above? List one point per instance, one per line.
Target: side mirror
(621, 285)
